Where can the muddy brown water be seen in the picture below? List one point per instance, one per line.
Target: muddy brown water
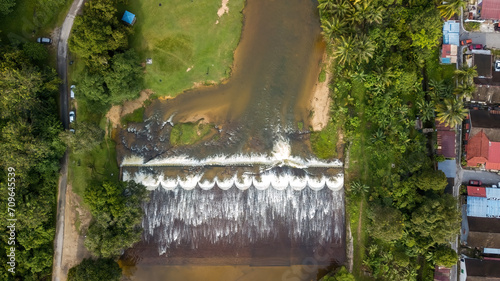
(276, 66)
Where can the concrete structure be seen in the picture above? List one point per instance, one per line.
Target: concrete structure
(484, 64)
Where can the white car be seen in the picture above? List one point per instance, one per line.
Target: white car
(71, 91)
(497, 65)
(71, 116)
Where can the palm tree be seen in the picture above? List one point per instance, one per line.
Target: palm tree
(327, 6)
(466, 74)
(345, 51)
(426, 109)
(450, 7)
(364, 49)
(367, 13)
(451, 112)
(465, 91)
(333, 27)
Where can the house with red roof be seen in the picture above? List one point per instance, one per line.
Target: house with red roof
(490, 9)
(483, 144)
(445, 140)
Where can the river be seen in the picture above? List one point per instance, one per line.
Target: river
(253, 203)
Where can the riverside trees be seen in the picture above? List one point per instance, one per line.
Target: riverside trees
(382, 50)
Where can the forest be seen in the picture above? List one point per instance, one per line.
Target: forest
(385, 76)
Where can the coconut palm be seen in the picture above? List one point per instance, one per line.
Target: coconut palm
(327, 5)
(465, 91)
(367, 12)
(451, 112)
(333, 27)
(466, 74)
(345, 49)
(450, 7)
(426, 109)
(364, 49)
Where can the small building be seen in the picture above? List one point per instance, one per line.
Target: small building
(490, 10)
(483, 145)
(484, 64)
(479, 270)
(129, 18)
(445, 140)
(451, 41)
(484, 207)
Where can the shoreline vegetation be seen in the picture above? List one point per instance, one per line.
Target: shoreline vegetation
(400, 219)
(186, 52)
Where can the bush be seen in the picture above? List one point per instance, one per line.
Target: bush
(95, 270)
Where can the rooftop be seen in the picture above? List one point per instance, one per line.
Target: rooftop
(446, 143)
(482, 268)
(490, 9)
(449, 168)
(485, 207)
(488, 94)
(484, 65)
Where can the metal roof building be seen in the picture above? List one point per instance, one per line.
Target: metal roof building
(486, 207)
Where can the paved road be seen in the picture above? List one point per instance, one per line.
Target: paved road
(490, 39)
(487, 178)
(62, 69)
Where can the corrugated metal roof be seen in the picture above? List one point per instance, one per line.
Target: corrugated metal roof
(490, 9)
(486, 207)
(491, 251)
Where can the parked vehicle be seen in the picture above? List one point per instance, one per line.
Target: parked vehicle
(71, 116)
(497, 65)
(466, 42)
(475, 182)
(72, 94)
(476, 47)
(44, 40)
(72, 130)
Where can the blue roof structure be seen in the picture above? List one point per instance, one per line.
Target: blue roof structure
(451, 33)
(485, 207)
(449, 168)
(128, 17)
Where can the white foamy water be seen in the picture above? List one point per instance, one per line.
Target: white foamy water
(263, 181)
(281, 156)
(242, 217)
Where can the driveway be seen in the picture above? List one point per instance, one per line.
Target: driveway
(486, 177)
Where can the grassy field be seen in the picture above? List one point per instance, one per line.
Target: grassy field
(100, 163)
(181, 34)
(33, 15)
(188, 133)
(136, 116)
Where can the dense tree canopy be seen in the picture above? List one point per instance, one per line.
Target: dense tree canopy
(97, 33)
(6, 6)
(117, 214)
(30, 144)
(95, 270)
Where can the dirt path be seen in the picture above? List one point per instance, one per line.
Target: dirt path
(76, 224)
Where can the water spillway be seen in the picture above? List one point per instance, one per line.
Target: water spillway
(254, 194)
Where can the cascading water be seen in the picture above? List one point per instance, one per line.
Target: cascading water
(254, 191)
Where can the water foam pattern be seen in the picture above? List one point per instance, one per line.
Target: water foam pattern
(260, 181)
(241, 218)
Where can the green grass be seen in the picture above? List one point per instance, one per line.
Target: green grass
(135, 117)
(322, 76)
(188, 133)
(324, 142)
(436, 71)
(472, 26)
(100, 163)
(359, 239)
(26, 18)
(182, 34)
